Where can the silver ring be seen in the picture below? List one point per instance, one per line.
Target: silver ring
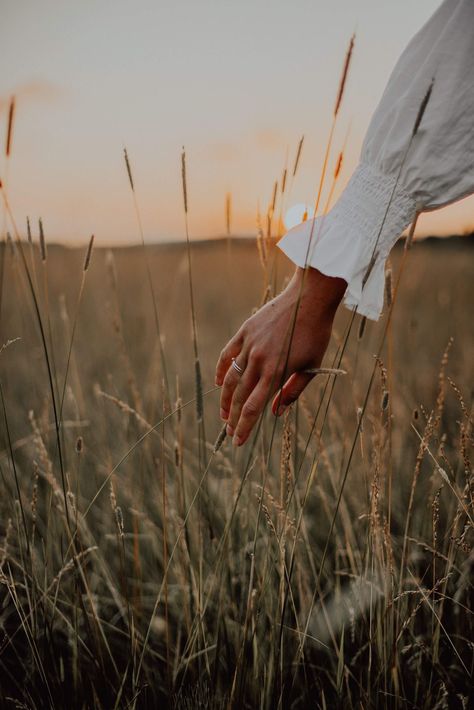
(237, 368)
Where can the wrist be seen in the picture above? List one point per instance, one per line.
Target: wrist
(322, 293)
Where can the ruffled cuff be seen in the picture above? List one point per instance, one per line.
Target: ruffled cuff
(341, 243)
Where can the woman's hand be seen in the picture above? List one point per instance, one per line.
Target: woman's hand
(260, 348)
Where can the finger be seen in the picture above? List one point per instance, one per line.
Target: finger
(232, 349)
(251, 411)
(231, 380)
(242, 391)
(290, 391)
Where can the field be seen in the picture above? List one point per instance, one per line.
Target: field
(328, 563)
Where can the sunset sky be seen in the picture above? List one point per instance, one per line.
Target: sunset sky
(236, 83)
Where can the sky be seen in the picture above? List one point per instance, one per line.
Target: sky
(236, 82)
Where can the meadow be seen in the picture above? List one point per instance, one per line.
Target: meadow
(145, 562)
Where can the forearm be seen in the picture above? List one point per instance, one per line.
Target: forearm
(402, 172)
(320, 294)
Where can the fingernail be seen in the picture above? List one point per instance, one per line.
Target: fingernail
(281, 410)
(237, 440)
(229, 430)
(223, 415)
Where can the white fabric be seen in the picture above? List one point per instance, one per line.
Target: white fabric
(396, 178)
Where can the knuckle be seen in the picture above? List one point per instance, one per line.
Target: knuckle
(223, 354)
(230, 378)
(257, 355)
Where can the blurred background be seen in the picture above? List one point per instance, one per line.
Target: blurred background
(236, 83)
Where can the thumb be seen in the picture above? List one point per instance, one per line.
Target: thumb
(290, 391)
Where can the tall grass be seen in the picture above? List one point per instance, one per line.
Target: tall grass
(148, 597)
(148, 563)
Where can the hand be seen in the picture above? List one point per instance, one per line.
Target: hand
(261, 348)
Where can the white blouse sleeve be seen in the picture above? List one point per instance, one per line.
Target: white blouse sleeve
(397, 178)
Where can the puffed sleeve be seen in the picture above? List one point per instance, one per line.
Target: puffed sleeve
(401, 174)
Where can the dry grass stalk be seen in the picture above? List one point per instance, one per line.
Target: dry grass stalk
(199, 395)
(129, 169)
(275, 192)
(6, 539)
(11, 116)
(345, 72)
(125, 408)
(298, 155)
(261, 246)
(184, 182)
(388, 285)
(206, 598)
(42, 241)
(149, 277)
(220, 439)
(11, 245)
(362, 324)
(325, 371)
(422, 108)
(442, 384)
(285, 460)
(338, 167)
(460, 398)
(87, 260)
(411, 233)
(8, 343)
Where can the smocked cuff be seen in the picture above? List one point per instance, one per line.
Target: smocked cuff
(372, 212)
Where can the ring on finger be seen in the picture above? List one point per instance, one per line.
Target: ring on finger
(236, 367)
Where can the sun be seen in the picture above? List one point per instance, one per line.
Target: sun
(296, 214)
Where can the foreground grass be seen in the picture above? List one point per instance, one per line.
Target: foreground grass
(328, 563)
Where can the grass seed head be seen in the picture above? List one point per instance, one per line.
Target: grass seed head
(42, 241)
(362, 324)
(199, 395)
(88, 253)
(298, 155)
(183, 177)
(220, 439)
(129, 169)
(388, 286)
(11, 116)
(345, 72)
(422, 109)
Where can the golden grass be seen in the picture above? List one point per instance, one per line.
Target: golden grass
(146, 563)
(220, 577)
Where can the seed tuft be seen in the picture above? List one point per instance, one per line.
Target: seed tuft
(42, 240)
(129, 169)
(88, 253)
